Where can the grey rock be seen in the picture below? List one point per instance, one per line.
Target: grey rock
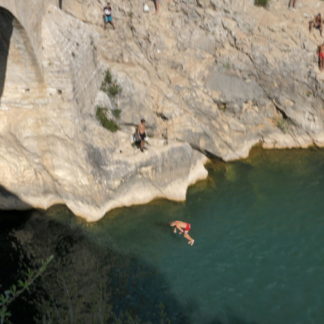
(233, 88)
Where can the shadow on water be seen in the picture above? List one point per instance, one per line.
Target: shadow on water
(13, 259)
(85, 283)
(231, 318)
(6, 28)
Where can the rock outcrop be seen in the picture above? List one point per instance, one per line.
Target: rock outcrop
(212, 78)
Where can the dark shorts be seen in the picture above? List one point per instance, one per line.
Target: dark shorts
(108, 19)
(142, 136)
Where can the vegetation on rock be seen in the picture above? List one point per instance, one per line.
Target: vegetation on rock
(283, 125)
(261, 3)
(110, 86)
(109, 124)
(116, 113)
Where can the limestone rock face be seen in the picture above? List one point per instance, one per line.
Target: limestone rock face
(212, 78)
(221, 75)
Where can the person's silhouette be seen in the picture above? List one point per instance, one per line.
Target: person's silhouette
(292, 3)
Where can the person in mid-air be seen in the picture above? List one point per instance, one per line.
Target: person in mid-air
(184, 229)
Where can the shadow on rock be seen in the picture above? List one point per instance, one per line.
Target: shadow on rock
(85, 283)
(6, 28)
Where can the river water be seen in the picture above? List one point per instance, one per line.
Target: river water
(258, 255)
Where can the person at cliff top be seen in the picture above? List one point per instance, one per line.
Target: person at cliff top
(184, 229)
(107, 17)
(320, 53)
(140, 134)
(292, 3)
(317, 23)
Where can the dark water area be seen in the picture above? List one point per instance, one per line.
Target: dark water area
(258, 255)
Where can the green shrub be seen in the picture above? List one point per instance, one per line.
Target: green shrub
(107, 78)
(11, 294)
(114, 89)
(110, 86)
(104, 121)
(116, 113)
(283, 125)
(261, 3)
(222, 106)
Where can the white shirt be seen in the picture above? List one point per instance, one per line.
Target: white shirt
(107, 11)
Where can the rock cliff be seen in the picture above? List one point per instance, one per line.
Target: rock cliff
(212, 78)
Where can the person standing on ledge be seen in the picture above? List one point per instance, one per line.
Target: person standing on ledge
(141, 134)
(320, 52)
(317, 23)
(107, 17)
(157, 5)
(292, 3)
(184, 229)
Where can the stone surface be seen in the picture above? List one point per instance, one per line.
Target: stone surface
(210, 77)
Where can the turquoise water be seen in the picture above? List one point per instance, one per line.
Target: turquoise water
(258, 255)
(259, 231)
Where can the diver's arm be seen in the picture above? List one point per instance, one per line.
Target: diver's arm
(179, 228)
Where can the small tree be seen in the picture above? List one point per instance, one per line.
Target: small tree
(11, 294)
